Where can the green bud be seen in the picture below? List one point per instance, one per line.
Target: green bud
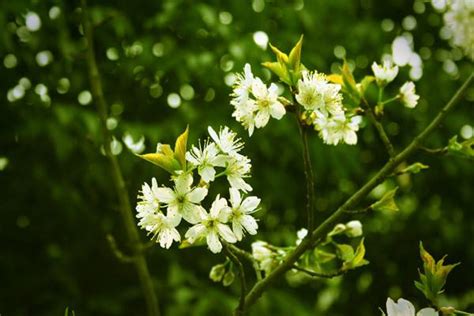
(414, 168)
(228, 278)
(217, 272)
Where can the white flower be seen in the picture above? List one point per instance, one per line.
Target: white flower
(301, 234)
(149, 199)
(136, 147)
(386, 73)
(405, 308)
(183, 201)
(241, 210)
(408, 96)
(238, 167)
(267, 103)
(254, 103)
(226, 140)
(151, 218)
(212, 226)
(316, 93)
(205, 159)
(162, 228)
(265, 257)
(354, 228)
(459, 19)
(337, 129)
(401, 51)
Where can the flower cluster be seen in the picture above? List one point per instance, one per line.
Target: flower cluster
(459, 19)
(322, 102)
(254, 102)
(386, 73)
(161, 209)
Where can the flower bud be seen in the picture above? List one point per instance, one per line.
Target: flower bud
(217, 272)
(228, 278)
(354, 229)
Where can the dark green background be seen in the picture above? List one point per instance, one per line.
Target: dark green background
(57, 202)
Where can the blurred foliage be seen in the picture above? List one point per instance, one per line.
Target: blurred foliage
(166, 64)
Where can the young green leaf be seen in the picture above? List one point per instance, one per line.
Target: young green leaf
(434, 277)
(386, 203)
(180, 148)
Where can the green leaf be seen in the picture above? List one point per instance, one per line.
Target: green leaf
(386, 203)
(465, 149)
(434, 277)
(345, 252)
(278, 70)
(365, 83)
(358, 259)
(414, 168)
(166, 162)
(180, 148)
(294, 58)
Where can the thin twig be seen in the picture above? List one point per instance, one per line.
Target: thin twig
(308, 172)
(379, 127)
(318, 274)
(118, 181)
(248, 256)
(289, 261)
(240, 310)
(435, 151)
(116, 250)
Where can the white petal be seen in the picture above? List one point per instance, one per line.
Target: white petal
(217, 206)
(195, 232)
(213, 134)
(213, 242)
(277, 110)
(350, 137)
(207, 173)
(235, 197)
(250, 224)
(237, 229)
(197, 195)
(262, 117)
(164, 194)
(173, 215)
(427, 312)
(191, 213)
(250, 204)
(239, 183)
(226, 233)
(183, 183)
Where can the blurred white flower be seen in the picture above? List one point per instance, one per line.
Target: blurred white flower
(240, 213)
(301, 234)
(385, 73)
(404, 308)
(408, 96)
(205, 159)
(401, 51)
(182, 201)
(459, 19)
(264, 256)
(136, 147)
(212, 226)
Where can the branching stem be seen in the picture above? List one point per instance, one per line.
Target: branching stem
(318, 233)
(139, 260)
